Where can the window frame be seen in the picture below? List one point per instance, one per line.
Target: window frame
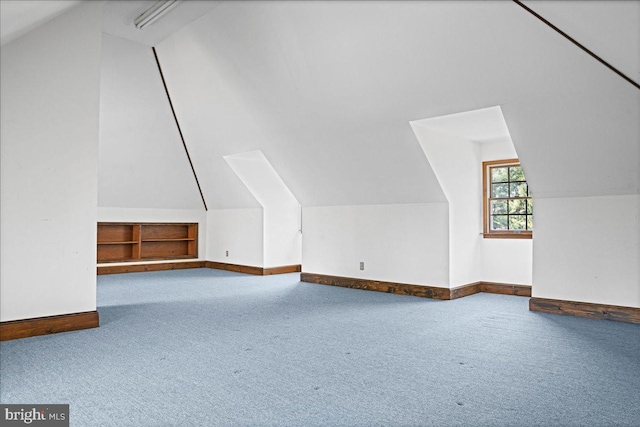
(486, 196)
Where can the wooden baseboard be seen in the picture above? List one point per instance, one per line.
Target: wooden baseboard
(464, 290)
(48, 325)
(584, 309)
(378, 286)
(247, 269)
(284, 269)
(138, 268)
(418, 290)
(505, 289)
(259, 271)
(490, 288)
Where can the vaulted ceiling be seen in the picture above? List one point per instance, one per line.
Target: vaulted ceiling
(326, 91)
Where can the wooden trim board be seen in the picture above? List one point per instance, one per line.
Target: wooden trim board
(247, 269)
(296, 268)
(505, 289)
(464, 290)
(418, 290)
(48, 325)
(348, 282)
(259, 271)
(137, 268)
(378, 286)
(490, 288)
(585, 309)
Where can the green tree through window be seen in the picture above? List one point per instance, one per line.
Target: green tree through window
(508, 206)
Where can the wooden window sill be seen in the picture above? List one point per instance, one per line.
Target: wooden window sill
(527, 235)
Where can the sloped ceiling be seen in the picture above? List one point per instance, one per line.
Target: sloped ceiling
(118, 17)
(574, 123)
(484, 125)
(607, 28)
(326, 90)
(20, 17)
(257, 174)
(141, 162)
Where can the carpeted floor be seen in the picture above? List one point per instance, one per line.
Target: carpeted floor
(214, 348)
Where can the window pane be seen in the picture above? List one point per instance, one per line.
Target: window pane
(518, 206)
(498, 207)
(510, 208)
(499, 175)
(518, 189)
(517, 222)
(499, 222)
(499, 190)
(516, 174)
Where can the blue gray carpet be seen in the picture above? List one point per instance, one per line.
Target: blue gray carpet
(214, 348)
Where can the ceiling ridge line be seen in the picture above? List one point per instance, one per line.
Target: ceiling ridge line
(574, 41)
(175, 117)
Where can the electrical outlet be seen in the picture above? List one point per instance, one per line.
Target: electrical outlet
(227, 253)
(361, 265)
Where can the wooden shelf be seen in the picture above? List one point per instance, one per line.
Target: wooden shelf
(130, 242)
(117, 243)
(168, 240)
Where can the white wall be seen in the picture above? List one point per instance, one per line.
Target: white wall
(500, 149)
(50, 85)
(397, 243)
(160, 215)
(455, 162)
(587, 249)
(506, 260)
(239, 231)
(282, 238)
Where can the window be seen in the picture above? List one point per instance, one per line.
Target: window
(507, 204)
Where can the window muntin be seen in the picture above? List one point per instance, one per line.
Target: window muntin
(508, 206)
